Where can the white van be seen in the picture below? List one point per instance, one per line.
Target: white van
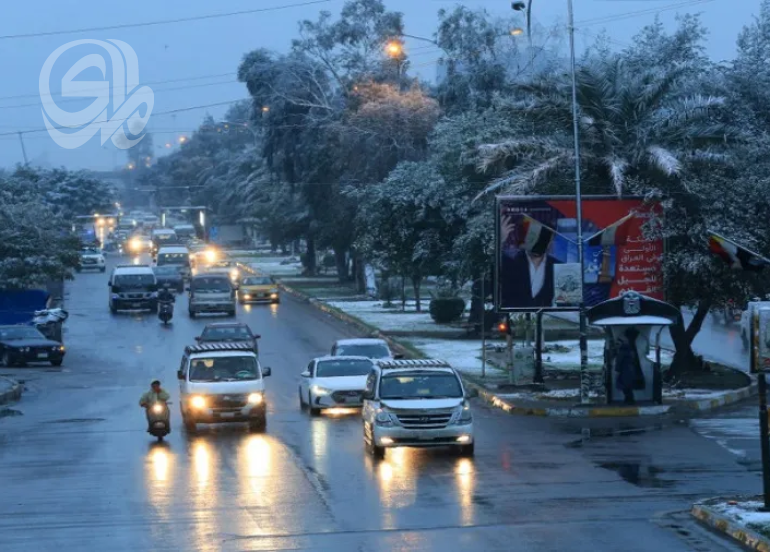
(220, 383)
(175, 256)
(416, 403)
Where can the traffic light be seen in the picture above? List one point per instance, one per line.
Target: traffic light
(504, 327)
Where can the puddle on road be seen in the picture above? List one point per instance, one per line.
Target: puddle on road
(638, 474)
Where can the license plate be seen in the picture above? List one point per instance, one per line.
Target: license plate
(424, 436)
(227, 414)
(42, 355)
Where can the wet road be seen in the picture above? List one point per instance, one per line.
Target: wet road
(80, 473)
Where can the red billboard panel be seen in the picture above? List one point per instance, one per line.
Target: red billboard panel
(537, 252)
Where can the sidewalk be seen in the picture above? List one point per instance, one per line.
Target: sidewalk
(415, 335)
(740, 518)
(10, 390)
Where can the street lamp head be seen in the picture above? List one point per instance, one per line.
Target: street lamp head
(265, 109)
(394, 48)
(182, 139)
(519, 6)
(517, 31)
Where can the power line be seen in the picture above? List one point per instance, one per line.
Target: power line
(71, 100)
(629, 15)
(200, 77)
(165, 21)
(170, 112)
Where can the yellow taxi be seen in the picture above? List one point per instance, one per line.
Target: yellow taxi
(258, 288)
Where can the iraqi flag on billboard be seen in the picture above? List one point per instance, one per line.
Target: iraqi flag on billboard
(615, 234)
(537, 236)
(738, 257)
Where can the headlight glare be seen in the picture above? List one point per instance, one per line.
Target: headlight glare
(198, 402)
(256, 398)
(157, 408)
(320, 390)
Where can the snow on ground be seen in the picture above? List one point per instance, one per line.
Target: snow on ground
(390, 320)
(554, 394)
(745, 513)
(694, 394)
(273, 266)
(567, 352)
(463, 355)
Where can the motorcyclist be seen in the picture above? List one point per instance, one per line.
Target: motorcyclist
(165, 295)
(154, 395)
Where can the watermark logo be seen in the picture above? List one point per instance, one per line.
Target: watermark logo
(122, 92)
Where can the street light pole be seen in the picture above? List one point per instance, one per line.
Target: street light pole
(584, 380)
(23, 149)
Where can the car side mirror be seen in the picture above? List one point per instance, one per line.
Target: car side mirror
(257, 336)
(109, 284)
(198, 338)
(179, 374)
(398, 356)
(305, 374)
(471, 393)
(267, 371)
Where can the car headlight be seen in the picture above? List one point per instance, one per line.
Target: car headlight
(319, 390)
(154, 295)
(463, 414)
(24, 349)
(211, 256)
(256, 398)
(157, 408)
(384, 418)
(234, 273)
(198, 402)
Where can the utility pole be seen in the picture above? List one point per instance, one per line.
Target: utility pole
(584, 376)
(23, 149)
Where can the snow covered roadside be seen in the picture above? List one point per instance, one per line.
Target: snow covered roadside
(741, 518)
(391, 319)
(274, 266)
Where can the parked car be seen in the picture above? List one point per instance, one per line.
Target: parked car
(20, 345)
(229, 332)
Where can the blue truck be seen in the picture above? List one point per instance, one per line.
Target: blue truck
(31, 308)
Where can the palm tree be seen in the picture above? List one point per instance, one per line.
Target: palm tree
(633, 127)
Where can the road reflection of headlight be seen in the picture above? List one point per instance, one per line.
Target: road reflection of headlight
(198, 402)
(255, 398)
(160, 464)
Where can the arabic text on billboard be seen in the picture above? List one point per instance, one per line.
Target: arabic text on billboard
(538, 267)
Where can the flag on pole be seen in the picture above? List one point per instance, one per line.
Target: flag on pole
(537, 236)
(615, 234)
(739, 258)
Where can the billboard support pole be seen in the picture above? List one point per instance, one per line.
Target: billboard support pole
(765, 439)
(584, 382)
(483, 328)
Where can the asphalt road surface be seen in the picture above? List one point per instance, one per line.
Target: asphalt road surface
(79, 472)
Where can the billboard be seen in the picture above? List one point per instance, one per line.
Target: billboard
(538, 266)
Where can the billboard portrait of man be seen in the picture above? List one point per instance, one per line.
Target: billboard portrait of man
(526, 265)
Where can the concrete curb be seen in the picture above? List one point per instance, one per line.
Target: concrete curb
(13, 394)
(524, 409)
(716, 521)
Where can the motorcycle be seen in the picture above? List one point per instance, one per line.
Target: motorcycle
(166, 311)
(159, 419)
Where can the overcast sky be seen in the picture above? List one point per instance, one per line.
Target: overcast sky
(201, 57)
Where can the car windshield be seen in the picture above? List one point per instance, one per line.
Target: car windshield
(407, 385)
(217, 285)
(224, 369)
(173, 259)
(368, 350)
(227, 333)
(20, 332)
(168, 270)
(342, 368)
(90, 251)
(257, 281)
(133, 281)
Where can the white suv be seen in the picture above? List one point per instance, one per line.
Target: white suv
(221, 383)
(416, 403)
(91, 258)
